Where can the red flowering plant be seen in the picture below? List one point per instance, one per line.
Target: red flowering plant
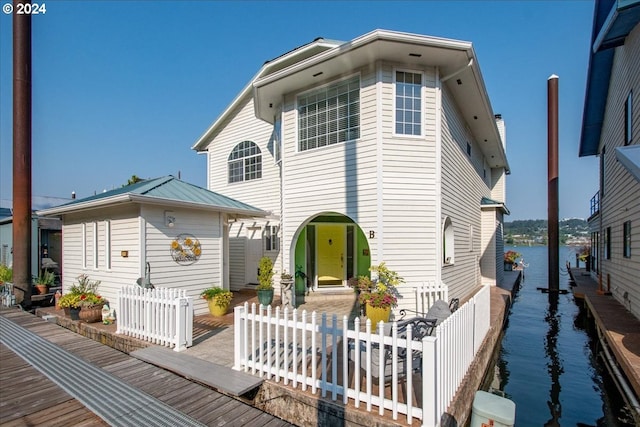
(510, 257)
(82, 294)
(382, 292)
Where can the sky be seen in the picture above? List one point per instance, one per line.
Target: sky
(124, 88)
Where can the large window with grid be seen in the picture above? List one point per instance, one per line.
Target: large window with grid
(408, 103)
(329, 115)
(245, 162)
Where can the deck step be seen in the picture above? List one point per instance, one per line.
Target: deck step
(211, 374)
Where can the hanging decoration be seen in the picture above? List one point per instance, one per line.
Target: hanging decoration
(185, 249)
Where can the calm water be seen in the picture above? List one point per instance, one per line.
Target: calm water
(546, 365)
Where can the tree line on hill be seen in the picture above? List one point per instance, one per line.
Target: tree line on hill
(573, 231)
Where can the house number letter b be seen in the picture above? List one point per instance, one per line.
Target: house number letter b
(372, 234)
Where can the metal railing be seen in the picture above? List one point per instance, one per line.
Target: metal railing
(595, 204)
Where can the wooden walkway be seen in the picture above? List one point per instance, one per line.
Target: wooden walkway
(30, 398)
(620, 328)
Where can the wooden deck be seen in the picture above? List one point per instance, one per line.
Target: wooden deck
(29, 398)
(620, 328)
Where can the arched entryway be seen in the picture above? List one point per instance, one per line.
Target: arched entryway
(329, 249)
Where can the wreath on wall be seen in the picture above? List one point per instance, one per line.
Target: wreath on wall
(185, 249)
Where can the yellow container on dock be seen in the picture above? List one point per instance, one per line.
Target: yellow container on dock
(492, 410)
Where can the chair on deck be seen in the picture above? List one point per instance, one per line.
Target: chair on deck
(422, 326)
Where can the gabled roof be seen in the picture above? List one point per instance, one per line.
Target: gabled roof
(629, 156)
(300, 53)
(165, 191)
(613, 20)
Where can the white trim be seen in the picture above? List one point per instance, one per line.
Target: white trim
(84, 245)
(379, 242)
(95, 245)
(107, 244)
(438, 183)
(423, 90)
(142, 244)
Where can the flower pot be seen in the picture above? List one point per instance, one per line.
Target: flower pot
(215, 309)
(376, 314)
(74, 313)
(42, 289)
(508, 266)
(265, 296)
(91, 314)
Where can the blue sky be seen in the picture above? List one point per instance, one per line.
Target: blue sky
(123, 87)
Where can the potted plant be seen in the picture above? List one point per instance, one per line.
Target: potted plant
(265, 281)
(218, 300)
(83, 302)
(510, 258)
(379, 296)
(43, 281)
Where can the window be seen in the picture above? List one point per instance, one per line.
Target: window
(408, 103)
(468, 149)
(447, 242)
(628, 119)
(271, 238)
(607, 243)
(329, 115)
(626, 239)
(245, 162)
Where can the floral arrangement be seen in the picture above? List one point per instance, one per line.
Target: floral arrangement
(360, 284)
(511, 256)
(382, 293)
(83, 294)
(222, 297)
(583, 253)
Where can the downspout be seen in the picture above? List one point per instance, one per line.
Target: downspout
(438, 183)
(379, 238)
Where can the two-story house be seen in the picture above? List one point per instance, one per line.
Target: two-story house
(610, 126)
(384, 148)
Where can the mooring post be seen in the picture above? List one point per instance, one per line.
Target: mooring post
(22, 156)
(552, 188)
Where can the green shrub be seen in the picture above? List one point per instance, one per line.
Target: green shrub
(265, 274)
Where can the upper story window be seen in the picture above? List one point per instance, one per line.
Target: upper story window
(245, 162)
(408, 103)
(628, 119)
(329, 115)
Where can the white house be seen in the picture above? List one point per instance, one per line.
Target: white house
(164, 228)
(610, 130)
(381, 149)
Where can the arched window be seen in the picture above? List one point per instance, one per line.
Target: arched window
(448, 242)
(245, 162)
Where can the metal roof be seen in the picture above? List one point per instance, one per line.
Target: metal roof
(168, 191)
(486, 202)
(612, 22)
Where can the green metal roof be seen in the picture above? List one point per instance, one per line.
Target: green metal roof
(164, 190)
(485, 201)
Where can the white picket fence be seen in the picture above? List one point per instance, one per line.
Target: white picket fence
(163, 316)
(307, 351)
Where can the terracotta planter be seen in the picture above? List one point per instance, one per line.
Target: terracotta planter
(376, 314)
(42, 289)
(216, 310)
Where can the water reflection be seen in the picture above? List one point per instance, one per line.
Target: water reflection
(545, 365)
(554, 363)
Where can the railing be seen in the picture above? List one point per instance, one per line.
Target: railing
(308, 351)
(595, 204)
(162, 316)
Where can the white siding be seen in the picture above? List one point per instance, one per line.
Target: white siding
(491, 234)
(620, 200)
(205, 226)
(263, 193)
(463, 187)
(124, 237)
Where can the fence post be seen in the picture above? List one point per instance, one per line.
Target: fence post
(238, 336)
(430, 364)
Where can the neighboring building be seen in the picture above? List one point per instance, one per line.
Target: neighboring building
(381, 149)
(46, 241)
(611, 130)
(164, 228)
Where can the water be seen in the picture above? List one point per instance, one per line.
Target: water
(546, 365)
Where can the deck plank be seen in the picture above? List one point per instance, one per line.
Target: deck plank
(211, 374)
